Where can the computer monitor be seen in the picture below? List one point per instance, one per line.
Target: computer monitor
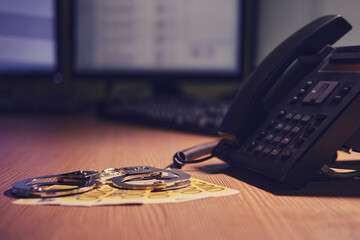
(160, 40)
(28, 38)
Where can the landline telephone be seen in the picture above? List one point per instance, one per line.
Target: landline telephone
(293, 113)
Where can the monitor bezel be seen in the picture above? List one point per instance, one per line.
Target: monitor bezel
(173, 75)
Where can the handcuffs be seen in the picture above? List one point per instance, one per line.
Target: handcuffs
(138, 177)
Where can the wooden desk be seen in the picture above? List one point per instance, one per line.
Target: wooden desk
(34, 146)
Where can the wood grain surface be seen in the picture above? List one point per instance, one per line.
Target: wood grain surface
(41, 145)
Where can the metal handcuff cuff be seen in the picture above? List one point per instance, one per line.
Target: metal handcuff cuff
(139, 177)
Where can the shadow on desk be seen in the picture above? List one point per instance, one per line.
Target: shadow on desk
(319, 187)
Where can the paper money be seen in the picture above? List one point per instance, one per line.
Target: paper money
(107, 195)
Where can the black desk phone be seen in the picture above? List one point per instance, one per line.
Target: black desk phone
(298, 107)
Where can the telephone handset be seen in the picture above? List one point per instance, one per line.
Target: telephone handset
(298, 107)
(247, 106)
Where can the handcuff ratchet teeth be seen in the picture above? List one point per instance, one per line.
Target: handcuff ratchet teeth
(139, 177)
(160, 179)
(74, 182)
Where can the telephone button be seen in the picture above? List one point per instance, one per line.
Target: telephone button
(336, 99)
(267, 150)
(274, 153)
(297, 117)
(276, 140)
(308, 84)
(269, 138)
(287, 128)
(295, 130)
(345, 90)
(279, 126)
(286, 154)
(301, 92)
(294, 100)
(305, 119)
(285, 141)
(259, 148)
(281, 114)
(288, 117)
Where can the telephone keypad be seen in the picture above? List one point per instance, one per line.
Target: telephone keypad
(288, 131)
(282, 137)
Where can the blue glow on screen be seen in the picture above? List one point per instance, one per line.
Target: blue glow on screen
(27, 36)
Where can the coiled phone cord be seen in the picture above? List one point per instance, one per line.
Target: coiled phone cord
(328, 169)
(193, 154)
(203, 152)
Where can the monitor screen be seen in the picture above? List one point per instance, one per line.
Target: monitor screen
(27, 37)
(160, 37)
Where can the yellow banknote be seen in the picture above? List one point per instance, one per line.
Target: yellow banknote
(107, 195)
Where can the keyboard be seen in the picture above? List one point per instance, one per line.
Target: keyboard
(198, 116)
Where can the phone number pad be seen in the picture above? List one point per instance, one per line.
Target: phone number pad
(284, 135)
